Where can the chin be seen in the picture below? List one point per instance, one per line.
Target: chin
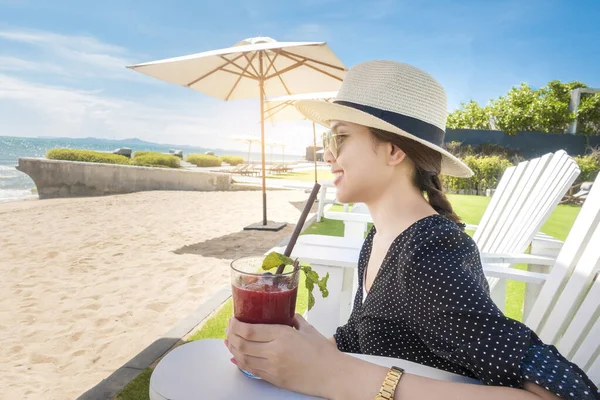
(346, 197)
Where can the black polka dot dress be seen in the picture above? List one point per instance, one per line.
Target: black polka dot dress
(430, 304)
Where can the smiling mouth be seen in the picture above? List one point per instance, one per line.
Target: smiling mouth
(338, 176)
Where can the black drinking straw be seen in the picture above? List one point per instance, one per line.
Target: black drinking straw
(298, 229)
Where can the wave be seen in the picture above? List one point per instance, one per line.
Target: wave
(16, 194)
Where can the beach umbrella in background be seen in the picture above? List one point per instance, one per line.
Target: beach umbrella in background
(257, 67)
(273, 145)
(282, 109)
(250, 139)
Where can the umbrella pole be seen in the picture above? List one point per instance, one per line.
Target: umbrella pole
(315, 149)
(273, 226)
(262, 140)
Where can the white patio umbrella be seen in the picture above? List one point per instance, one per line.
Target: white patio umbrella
(282, 109)
(255, 67)
(248, 139)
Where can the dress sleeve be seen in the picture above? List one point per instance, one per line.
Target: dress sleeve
(447, 304)
(346, 337)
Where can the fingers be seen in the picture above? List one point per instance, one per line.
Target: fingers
(300, 323)
(255, 332)
(255, 365)
(247, 347)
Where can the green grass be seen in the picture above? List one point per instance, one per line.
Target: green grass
(137, 389)
(469, 208)
(322, 175)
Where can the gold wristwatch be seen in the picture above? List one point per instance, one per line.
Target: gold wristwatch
(389, 384)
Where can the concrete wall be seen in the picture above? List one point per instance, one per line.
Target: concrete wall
(54, 178)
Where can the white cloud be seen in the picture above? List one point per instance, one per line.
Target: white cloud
(58, 40)
(8, 63)
(29, 109)
(41, 104)
(75, 56)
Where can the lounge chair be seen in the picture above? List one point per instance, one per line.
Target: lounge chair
(562, 304)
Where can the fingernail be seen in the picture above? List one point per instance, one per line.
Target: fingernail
(233, 361)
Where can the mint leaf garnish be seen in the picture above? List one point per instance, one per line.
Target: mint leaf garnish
(274, 260)
(312, 278)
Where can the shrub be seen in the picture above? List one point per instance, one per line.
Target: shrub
(233, 160)
(156, 160)
(589, 166)
(145, 153)
(202, 160)
(86, 156)
(491, 149)
(487, 173)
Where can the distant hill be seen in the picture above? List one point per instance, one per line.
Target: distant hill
(130, 142)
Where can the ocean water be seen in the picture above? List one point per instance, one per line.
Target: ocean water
(15, 185)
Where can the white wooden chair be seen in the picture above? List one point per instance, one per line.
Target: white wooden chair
(566, 310)
(523, 201)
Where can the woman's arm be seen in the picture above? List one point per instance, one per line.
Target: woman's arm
(354, 378)
(304, 361)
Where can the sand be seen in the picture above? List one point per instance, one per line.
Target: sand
(88, 283)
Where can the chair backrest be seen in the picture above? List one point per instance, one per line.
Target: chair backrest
(526, 196)
(567, 310)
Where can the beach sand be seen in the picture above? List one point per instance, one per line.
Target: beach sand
(88, 283)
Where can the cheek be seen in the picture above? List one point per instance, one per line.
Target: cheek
(361, 177)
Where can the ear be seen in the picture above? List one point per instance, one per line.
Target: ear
(396, 155)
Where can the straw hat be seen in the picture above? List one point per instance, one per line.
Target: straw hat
(394, 97)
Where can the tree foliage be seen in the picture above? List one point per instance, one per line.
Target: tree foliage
(525, 109)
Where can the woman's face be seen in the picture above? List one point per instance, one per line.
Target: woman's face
(360, 164)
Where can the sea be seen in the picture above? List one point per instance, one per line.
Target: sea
(15, 185)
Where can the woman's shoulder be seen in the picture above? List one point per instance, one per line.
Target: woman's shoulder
(438, 228)
(438, 235)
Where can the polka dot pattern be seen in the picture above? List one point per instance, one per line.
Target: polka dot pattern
(430, 304)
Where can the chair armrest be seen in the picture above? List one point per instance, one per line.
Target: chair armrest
(508, 258)
(348, 216)
(494, 271)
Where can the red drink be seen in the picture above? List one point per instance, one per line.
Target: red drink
(260, 297)
(265, 302)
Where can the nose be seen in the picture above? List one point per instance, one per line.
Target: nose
(328, 156)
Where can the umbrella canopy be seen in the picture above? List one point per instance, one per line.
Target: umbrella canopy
(235, 72)
(248, 139)
(282, 109)
(254, 68)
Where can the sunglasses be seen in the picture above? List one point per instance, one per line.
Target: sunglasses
(332, 142)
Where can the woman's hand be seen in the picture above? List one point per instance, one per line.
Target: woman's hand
(296, 359)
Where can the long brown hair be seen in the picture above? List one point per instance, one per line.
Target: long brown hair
(428, 164)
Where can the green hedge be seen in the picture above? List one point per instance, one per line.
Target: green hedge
(156, 160)
(203, 160)
(86, 156)
(589, 166)
(145, 153)
(488, 171)
(233, 160)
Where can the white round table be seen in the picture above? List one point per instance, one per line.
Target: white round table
(202, 370)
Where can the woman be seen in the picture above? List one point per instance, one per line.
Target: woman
(423, 296)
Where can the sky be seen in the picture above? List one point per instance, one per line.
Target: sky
(63, 62)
